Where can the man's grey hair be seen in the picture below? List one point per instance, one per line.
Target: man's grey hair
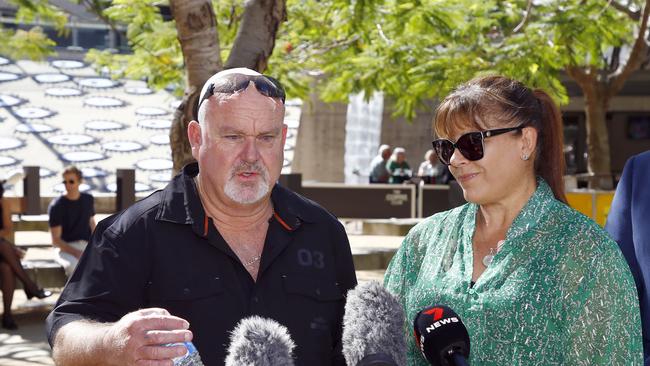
(383, 148)
(396, 151)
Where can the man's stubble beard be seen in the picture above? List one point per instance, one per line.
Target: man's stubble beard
(249, 192)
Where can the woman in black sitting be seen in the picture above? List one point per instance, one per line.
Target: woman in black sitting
(10, 266)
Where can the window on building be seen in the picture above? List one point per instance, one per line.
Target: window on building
(638, 127)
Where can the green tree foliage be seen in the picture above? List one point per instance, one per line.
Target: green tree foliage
(418, 50)
(156, 53)
(411, 50)
(33, 43)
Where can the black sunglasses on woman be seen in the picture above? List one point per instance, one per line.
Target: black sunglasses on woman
(471, 144)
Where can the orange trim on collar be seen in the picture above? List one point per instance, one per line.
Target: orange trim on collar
(205, 225)
(279, 219)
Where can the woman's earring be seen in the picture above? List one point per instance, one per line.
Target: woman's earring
(524, 157)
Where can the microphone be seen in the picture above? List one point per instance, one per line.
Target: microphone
(373, 327)
(258, 341)
(441, 336)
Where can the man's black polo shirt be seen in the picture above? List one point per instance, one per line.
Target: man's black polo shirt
(164, 252)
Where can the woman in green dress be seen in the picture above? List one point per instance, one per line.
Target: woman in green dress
(534, 281)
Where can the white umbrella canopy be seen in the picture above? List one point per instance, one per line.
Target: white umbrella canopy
(63, 112)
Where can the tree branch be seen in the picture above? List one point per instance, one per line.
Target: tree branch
(196, 27)
(634, 15)
(256, 36)
(578, 74)
(614, 61)
(637, 56)
(529, 9)
(98, 9)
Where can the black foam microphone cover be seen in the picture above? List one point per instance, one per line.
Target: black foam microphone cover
(441, 336)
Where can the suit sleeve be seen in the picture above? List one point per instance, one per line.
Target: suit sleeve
(619, 222)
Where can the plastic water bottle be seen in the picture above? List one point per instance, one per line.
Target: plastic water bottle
(191, 358)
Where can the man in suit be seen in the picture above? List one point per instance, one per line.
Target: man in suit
(629, 224)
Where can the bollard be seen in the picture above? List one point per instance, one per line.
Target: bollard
(125, 193)
(32, 190)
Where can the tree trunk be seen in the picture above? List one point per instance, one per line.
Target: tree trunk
(199, 39)
(256, 35)
(197, 33)
(596, 106)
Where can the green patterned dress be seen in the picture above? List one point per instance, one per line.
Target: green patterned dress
(559, 291)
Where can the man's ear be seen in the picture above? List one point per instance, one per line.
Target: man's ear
(194, 134)
(195, 138)
(284, 134)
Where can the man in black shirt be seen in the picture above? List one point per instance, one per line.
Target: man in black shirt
(71, 220)
(221, 242)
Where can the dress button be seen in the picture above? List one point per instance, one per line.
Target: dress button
(255, 299)
(318, 291)
(186, 291)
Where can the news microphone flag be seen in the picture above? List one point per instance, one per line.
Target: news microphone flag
(441, 336)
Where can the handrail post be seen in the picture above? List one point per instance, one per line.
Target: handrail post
(125, 189)
(32, 190)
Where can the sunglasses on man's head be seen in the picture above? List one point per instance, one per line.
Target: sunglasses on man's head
(470, 144)
(233, 83)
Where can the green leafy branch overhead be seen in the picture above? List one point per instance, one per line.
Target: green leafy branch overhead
(412, 51)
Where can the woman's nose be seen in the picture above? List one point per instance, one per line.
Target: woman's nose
(457, 159)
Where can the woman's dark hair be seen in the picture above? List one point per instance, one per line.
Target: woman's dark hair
(481, 102)
(2, 188)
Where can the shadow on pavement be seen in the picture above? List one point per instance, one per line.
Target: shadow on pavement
(27, 345)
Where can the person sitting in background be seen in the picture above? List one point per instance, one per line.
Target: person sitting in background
(10, 266)
(627, 223)
(398, 169)
(378, 171)
(71, 220)
(432, 171)
(534, 281)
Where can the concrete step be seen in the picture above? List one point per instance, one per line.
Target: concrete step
(391, 227)
(372, 259)
(41, 267)
(39, 222)
(373, 252)
(30, 222)
(371, 275)
(370, 253)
